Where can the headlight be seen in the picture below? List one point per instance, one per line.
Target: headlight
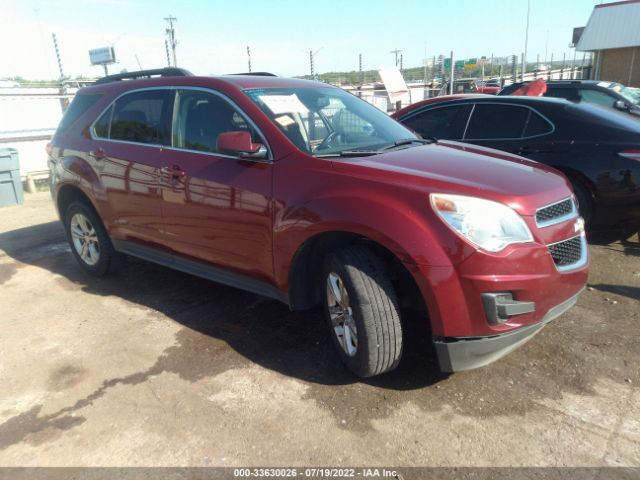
(489, 225)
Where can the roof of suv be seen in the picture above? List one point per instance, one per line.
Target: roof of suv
(240, 82)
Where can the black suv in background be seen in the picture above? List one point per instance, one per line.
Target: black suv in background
(608, 94)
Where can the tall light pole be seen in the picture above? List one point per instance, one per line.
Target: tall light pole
(526, 41)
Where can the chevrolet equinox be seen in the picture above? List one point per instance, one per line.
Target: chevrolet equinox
(300, 191)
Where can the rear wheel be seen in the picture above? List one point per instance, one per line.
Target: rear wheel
(362, 311)
(89, 241)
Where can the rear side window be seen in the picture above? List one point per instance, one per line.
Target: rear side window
(141, 117)
(444, 122)
(496, 122)
(570, 94)
(79, 106)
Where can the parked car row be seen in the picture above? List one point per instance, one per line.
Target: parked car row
(304, 193)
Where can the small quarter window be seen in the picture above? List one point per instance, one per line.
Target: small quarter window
(101, 127)
(537, 126)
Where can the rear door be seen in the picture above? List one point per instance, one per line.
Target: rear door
(216, 207)
(129, 140)
(513, 128)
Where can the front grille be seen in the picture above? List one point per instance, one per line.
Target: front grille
(547, 215)
(568, 252)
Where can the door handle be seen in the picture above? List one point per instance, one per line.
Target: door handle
(98, 154)
(173, 171)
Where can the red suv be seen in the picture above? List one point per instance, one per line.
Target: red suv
(302, 192)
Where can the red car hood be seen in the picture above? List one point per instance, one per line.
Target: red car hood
(459, 168)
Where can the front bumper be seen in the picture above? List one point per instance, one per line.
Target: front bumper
(465, 353)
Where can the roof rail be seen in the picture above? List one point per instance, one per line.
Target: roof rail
(157, 72)
(256, 74)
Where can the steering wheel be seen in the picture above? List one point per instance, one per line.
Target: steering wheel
(329, 140)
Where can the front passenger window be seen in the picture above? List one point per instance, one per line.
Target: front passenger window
(202, 117)
(440, 122)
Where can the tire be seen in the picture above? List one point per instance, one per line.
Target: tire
(585, 202)
(371, 306)
(100, 258)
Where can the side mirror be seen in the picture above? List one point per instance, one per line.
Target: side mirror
(240, 144)
(620, 105)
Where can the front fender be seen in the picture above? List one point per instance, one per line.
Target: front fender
(412, 233)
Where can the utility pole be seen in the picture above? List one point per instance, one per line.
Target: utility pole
(526, 41)
(400, 63)
(396, 52)
(360, 68)
(249, 57)
(171, 33)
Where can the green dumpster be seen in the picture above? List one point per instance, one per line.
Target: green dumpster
(10, 183)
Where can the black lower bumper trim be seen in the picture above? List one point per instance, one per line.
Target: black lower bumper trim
(466, 353)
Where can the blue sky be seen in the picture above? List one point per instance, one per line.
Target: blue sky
(213, 35)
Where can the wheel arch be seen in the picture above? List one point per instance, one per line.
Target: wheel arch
(69, 193)
(305, 285)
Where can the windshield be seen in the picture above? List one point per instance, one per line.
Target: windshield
(328, 121)
(630, 94)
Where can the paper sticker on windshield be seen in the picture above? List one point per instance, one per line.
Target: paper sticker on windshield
(604, 84)
(284, 103)
(285, 120)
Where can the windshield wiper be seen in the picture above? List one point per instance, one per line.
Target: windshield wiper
(350, 153)
(409, 141)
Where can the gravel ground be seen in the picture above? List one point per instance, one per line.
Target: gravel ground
(155, 367)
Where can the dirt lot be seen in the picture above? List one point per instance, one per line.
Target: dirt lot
(154, 367)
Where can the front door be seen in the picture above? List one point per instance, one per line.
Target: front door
(216, 207)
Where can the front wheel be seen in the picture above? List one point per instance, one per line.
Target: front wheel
(361, 308)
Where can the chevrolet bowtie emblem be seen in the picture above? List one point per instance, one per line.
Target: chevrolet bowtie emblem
(578, 227)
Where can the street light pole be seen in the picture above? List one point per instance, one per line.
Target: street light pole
(526, 41)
